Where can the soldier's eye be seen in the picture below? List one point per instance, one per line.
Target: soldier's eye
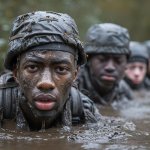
(32, 68)
(131, 67)
(62, 69)
(101, 59)
(141, 68)
(118, 60)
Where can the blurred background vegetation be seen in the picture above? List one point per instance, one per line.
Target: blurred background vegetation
(132, 14)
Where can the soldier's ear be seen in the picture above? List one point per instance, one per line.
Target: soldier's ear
(15, 74)
(76, 72)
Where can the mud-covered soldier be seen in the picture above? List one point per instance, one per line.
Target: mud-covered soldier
(135, 74)
(107, 47)
(44, 55)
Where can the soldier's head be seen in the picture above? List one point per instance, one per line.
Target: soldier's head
(137, 64)
(44, 54)
(107, 47)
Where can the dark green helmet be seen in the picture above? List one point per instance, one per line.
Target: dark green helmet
(42, 30)
(147, 44)
(139, 52)
(107, 38)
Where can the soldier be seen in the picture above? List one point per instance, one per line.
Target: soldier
(44, 55)
(135, 74)
(107, 50)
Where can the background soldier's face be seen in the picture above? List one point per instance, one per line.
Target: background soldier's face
(108, 69)
(136, 72)
(46, 78)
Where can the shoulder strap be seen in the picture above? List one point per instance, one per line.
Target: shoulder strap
(76, 106)
(8, 95)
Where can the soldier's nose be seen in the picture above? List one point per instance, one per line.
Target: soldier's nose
(46, 82)
(110, 68)
(137, 72)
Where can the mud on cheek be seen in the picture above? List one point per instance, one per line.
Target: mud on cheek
(64, 88)
(27, 83)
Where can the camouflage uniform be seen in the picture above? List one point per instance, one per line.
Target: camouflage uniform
(120, 91)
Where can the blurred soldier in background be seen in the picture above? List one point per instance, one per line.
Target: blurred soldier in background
(107, 48)
(135, 74)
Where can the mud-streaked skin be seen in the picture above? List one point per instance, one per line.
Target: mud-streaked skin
(45, 78)
(106, 70)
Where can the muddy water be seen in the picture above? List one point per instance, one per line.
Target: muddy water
(126, 126)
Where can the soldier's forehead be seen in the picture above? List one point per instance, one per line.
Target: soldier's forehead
(48, 55)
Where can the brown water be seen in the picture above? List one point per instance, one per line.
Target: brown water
(126, 126)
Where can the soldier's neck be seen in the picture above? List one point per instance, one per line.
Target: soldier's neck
(102, 89)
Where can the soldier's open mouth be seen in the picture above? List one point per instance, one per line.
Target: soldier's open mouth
(44, 102)
(44, 105)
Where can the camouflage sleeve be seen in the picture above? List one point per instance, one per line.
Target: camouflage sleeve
(125, 89)
(147, 83)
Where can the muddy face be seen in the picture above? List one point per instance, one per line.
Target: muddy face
(106, 69)
(136, 72)
(45, 79)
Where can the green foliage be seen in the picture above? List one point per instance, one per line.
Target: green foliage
(132, 14)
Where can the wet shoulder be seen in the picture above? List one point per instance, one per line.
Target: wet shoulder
(125, 90)
(8, 94)
(147, 83)
(85, 106)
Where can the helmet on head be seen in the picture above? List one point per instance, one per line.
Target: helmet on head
(43, 30)
(139, 52)
(107, 38)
